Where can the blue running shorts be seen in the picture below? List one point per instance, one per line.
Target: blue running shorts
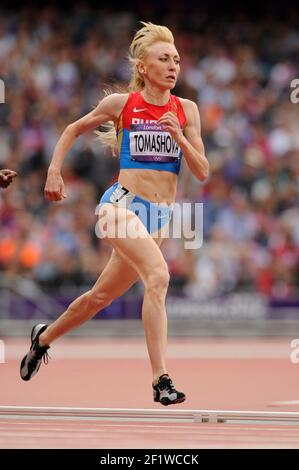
(154, 216)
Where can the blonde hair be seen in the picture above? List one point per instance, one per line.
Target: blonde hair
(145, 37)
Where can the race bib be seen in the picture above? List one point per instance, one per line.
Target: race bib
(121, 197)
(149, 143)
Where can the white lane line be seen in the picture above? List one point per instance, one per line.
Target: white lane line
(285, 403)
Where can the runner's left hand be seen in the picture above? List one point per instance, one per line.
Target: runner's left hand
(171, 124)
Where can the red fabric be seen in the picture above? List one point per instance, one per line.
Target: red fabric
(150, 112)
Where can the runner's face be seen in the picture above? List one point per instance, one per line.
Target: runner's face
(161, 65)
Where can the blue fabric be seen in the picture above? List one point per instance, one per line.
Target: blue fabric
(126, 162)
(152, 215)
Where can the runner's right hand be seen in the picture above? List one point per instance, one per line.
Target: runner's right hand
(54, 188)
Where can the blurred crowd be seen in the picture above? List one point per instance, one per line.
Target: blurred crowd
(239, 71)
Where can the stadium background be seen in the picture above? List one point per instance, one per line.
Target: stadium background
(237, 64)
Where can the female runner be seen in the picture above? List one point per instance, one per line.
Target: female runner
(154, 130)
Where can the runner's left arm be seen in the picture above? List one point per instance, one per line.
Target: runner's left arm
(190, 140)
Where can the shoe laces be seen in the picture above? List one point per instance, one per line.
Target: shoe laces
(40, 352)
(165, 382)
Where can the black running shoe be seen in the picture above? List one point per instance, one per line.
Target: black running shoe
(165, 393)
(31, 362)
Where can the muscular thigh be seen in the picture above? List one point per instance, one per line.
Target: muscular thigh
(118, 275)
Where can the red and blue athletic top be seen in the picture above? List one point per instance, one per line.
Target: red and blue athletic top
(141, 142)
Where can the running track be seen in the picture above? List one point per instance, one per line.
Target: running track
(223, 374)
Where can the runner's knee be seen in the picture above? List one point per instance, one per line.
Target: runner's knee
(158, 279)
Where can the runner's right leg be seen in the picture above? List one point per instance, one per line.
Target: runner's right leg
(142, 253)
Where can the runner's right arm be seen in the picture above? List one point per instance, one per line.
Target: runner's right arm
(107, 110)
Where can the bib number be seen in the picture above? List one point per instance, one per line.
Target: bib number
(149, 143)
